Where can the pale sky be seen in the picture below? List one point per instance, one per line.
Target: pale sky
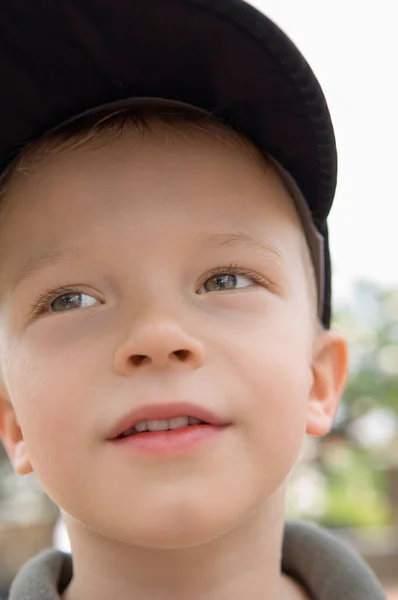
(352, 46)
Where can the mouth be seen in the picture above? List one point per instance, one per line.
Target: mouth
(162, 418)
(146, 426)
(168, 431)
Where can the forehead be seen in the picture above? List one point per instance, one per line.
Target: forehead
(171, 155)
(167, 185)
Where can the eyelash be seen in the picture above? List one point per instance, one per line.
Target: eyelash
(41, 304)
(235, 270)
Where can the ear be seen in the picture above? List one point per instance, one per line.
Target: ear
(329, 373)
(12, 438)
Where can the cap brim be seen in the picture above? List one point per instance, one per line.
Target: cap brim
(60, 59)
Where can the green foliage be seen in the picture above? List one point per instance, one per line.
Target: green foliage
(371, 325)
(355, 493)
(357, 486)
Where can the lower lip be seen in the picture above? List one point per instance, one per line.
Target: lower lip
(172, 441)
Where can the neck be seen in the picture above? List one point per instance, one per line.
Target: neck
(242, 562)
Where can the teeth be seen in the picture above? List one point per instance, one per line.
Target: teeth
(161, 425)
(141, 426)
(178, 422)
(157, 425)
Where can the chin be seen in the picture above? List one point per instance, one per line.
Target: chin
(172, 515)
(185, 527)
(169, 527)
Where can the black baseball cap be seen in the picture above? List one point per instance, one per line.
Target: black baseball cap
(63, 59)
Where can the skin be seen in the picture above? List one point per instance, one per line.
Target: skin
(138, 213)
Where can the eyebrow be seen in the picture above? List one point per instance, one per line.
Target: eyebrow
(62, 254)
(242, 237)
(53, 257)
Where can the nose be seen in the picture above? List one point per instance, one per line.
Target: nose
(160, 344)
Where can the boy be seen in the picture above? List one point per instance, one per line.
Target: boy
(165, 298)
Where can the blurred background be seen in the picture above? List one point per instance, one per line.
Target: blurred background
(347, 481)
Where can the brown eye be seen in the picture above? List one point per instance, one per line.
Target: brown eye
(72, 301)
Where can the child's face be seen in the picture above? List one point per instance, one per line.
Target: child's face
(142, 224)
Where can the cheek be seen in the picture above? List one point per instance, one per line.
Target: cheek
(50, 405)
(275, 369)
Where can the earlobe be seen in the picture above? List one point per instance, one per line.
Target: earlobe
(329, 371)
(20, 459)
(12, 438)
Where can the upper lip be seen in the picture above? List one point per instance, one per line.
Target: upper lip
(162, 412)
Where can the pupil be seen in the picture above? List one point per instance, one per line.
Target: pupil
(66, 302)
(225, 281)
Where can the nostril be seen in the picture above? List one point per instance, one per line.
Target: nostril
(138, 359)
(181, 354)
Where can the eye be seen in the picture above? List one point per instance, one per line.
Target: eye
(231, 279)
(61, 299)
(72, 301)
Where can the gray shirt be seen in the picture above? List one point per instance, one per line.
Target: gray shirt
(325, 566)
